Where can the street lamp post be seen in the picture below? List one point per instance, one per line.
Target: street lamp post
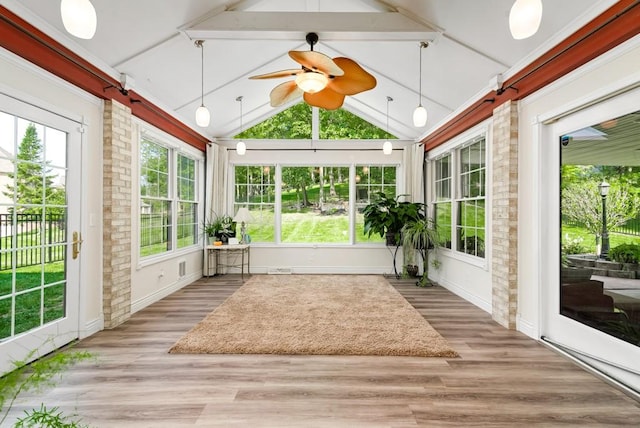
(604, 191)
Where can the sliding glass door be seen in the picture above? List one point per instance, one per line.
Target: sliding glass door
(591, 239)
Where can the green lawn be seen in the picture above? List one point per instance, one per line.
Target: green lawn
(589, 240)
(30, 280)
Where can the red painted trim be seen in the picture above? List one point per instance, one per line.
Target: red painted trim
(614, 26)
(26, 41)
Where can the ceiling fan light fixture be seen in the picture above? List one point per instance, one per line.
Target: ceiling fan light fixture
(203, 117)
(311, 82)
(79, 18)
(420, 116)
(524, 18)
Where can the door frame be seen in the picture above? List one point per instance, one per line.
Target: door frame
(607, 354)
(41, 340)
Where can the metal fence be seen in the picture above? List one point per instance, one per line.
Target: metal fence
(30, 239)
(631, 227)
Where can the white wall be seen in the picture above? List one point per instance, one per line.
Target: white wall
(465, 275)
(27, 82)
(620, 64)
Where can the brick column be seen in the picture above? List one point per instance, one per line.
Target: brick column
(504, 217)
(117, 170)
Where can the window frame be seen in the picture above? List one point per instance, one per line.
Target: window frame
(176, 149)
(453, 148)
(324, 163)
(461, 197)
(436, 200)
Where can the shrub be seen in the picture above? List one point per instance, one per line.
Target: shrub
(572, 246)
(625, 253)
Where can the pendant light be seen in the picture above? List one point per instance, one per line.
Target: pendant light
(241, 147)
(420, 113)
(203, 117)
(524, 18)
(387, 147)
(79, 18)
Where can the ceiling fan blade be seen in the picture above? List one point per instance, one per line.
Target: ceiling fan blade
(355, 79)
(316, 61)
(281, 73)
(326, 99)
(284, 93)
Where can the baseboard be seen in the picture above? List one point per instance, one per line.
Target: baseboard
(319, 270)
(471, 298)
(92, 327)
(164, 292)
(527, 328)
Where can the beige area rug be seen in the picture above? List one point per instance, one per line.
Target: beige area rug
(315, 314)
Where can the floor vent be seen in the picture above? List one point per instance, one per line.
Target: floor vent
(182, 268)
(280, 271)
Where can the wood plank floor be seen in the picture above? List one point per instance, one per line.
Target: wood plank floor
(502, 378)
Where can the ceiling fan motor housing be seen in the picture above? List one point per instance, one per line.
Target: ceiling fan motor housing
(312, 39)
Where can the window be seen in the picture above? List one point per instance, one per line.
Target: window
(255, 189)
(163, 209)
(461, 218)
(470, 223)
(369, 180)
(442, 199)
(314, 201)
(187, 202)
(315, 204)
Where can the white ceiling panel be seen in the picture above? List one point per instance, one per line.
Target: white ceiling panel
(150, 41)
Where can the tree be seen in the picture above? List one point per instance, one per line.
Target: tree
(33, 179)
(582, 203)
(295, 123)
(299, 178)
(292, 123)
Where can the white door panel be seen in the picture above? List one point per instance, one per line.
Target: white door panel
(40, 155)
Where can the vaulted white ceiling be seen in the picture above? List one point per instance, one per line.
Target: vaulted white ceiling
(152, 42)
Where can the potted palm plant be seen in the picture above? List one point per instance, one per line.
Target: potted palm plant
(420, 236)
(386, 216)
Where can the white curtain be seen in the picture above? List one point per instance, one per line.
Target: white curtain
(216, 181)
(216, 173)
(413, 159)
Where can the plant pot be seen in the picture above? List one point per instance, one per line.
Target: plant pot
(412, 270)
(391, 239)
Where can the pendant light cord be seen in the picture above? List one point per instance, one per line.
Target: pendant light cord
(200, 44)
(388, 100)
(422, 46)
(239, 99)
(202, 73)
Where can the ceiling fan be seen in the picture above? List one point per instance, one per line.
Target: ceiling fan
(323, 82)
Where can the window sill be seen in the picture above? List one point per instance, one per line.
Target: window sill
(152, 260)
(465, 258)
